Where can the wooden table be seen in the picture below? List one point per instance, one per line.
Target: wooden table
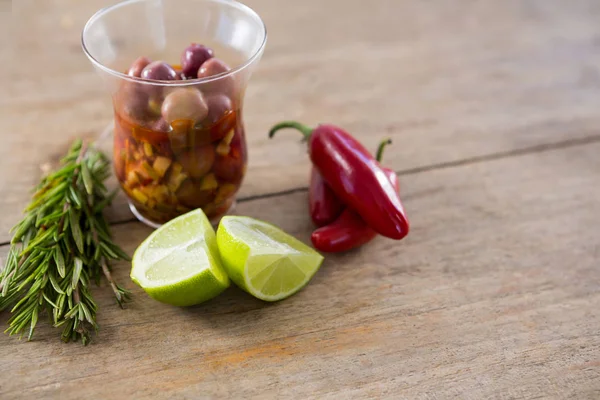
(494, 109)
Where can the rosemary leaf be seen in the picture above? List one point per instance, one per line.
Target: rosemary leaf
(49, 301)
(55, 284)
(21, 228)
(61, 172)
(74, 310)
(49, 218)
(88, 315)
(76, 272)
(108, 251)
(34, 318)
(76, 229)
(59, 259)
(87, 178)
(74, 197)
(46, 234)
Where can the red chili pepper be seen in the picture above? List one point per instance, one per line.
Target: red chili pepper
(349, 231)
(354, 176)
(324, 205)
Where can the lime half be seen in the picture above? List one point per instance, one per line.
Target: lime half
(179, 263)
(263, 260)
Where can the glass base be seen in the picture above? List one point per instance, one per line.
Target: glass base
(214, 220)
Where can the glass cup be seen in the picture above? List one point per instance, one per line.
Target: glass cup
(179, 141)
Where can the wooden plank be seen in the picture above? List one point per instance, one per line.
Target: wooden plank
(493, 295)
(447, 81)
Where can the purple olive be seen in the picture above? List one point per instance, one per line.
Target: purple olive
(132, 100)
(193, 57)
(137, 66)
(218, 105)
(212, 67)
(184, 104)
(224, 84)
(197, 161)
(159, 71)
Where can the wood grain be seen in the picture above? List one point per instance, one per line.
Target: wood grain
(493, 108)
(446, 80)
(493, 295)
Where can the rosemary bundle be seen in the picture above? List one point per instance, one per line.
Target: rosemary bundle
(61, 245)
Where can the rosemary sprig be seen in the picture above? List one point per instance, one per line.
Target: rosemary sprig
(62, 244)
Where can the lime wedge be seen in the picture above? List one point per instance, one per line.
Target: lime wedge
(179, 263)
(263, 260)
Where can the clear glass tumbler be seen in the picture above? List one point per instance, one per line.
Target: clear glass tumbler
(179, 144)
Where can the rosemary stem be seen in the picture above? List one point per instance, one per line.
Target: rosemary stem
(58, 246)
(112, 283)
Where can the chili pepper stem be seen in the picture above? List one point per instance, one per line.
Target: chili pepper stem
(306, 131)
(384, 142)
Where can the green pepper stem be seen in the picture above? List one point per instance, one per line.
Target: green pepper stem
(382, 145)
(306, 131)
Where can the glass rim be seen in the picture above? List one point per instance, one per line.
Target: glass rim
(188, 82)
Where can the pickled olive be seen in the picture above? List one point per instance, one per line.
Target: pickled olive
(191, 195)
(223, 126)
(137, 66)
(184, 104)
(179, 140)
(159, 71)
(212, 67)
(197, 162)
(193, 57)
(224, 85)
(218, 106)
(132, 100)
